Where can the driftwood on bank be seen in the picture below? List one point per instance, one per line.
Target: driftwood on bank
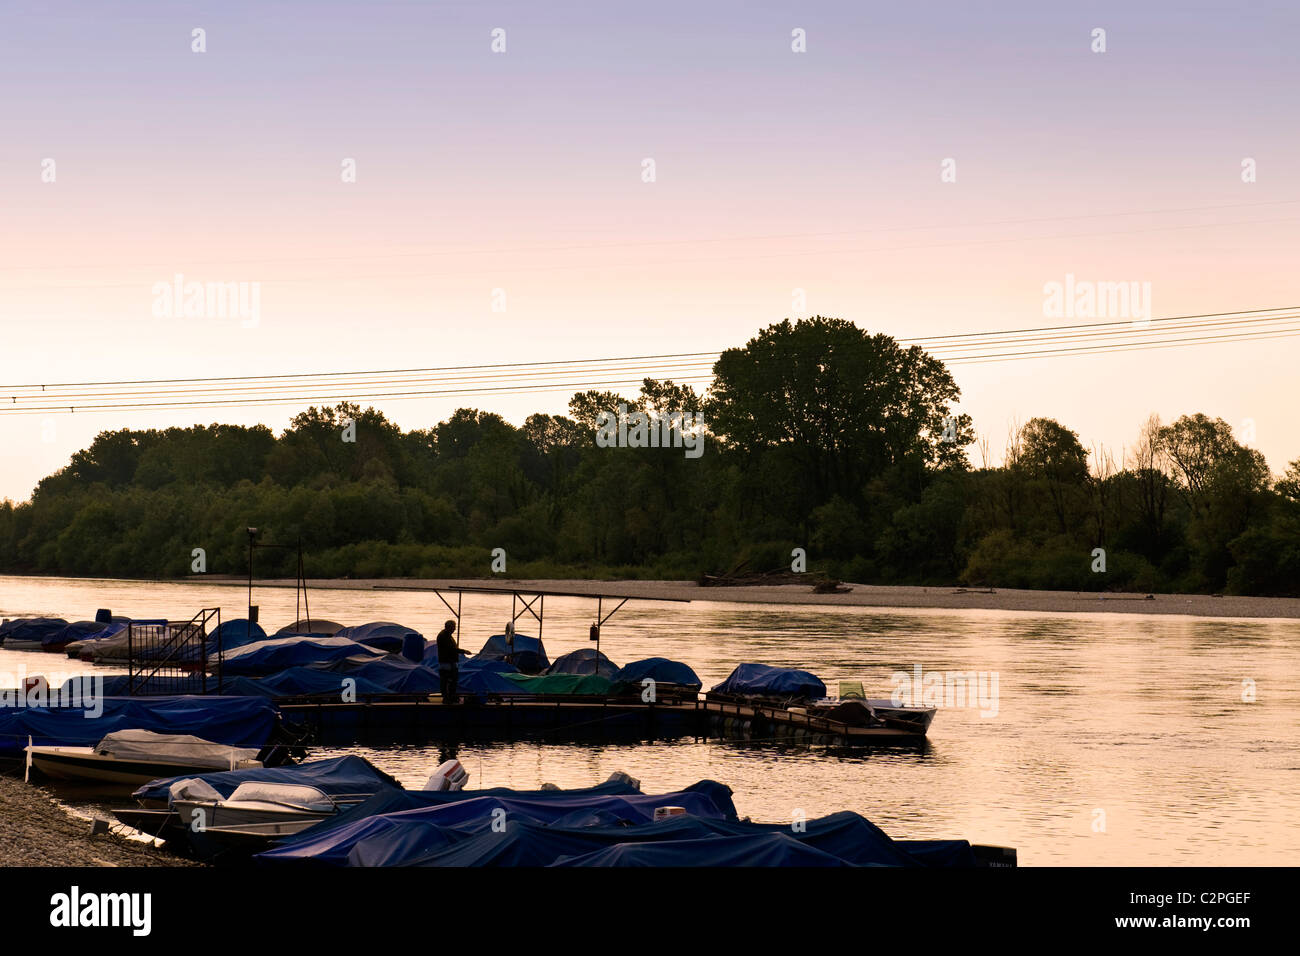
(736, 578)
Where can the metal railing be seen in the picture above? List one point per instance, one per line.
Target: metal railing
(175, 657)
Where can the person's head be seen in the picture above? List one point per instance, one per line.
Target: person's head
(450, 626)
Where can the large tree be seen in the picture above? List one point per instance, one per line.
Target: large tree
(844, 405)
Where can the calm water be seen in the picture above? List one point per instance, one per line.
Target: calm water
(1139, 717)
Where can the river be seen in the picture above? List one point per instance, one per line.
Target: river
(1117, 739)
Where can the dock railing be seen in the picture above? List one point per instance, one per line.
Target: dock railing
(174, 657)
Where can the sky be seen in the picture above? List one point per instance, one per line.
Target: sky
(523, 171)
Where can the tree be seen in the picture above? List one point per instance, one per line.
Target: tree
(847, 405)
(1051, 454)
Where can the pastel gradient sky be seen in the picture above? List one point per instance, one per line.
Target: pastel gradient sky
(522, 171)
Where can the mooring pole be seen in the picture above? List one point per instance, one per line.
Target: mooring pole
(252, 533)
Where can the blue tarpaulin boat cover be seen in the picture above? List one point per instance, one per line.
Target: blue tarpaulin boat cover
(311, 845)
(659, 669)
(415, 840)
(277, 654)
(235, 633)
(395, 675)
(488, 681)
(529, 654)
(956, 853)
(585, 662)
(767, 681)
(338, 775)
(384, 635)
(236, 721)
(471, 664)
(119, 685)
(760, 849)
(35, 629)
(76, 631)
(312, 681)
(430, 658)
(408, 837)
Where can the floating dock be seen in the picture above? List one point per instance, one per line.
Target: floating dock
(390, 719)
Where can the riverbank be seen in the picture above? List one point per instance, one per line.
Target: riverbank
(861, 595)
(37, 831)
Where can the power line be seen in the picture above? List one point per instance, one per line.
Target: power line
(355, 387)
(1258, 314)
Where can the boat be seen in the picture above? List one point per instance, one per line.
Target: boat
(804, 694)
(29, 633)
(135, 757)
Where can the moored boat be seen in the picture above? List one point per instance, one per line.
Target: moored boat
(135, 757)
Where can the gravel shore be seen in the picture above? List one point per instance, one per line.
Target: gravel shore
(36, 831)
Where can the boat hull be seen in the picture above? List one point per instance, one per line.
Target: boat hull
(83, 765)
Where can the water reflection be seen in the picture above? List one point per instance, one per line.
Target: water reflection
(1138, 717)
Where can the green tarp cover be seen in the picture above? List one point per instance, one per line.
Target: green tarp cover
(561, 684)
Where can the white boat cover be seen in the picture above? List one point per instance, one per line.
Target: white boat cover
(291, 794)
(182, 749)
(193, 788)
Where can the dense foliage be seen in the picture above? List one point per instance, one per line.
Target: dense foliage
(818, 436)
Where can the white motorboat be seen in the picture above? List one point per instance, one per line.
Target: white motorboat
(255, 808)
(135, 757)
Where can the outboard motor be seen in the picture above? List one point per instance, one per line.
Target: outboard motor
(449, 776)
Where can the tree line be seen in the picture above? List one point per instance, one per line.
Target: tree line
(819, 435)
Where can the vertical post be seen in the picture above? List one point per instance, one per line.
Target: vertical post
(302, 576)
(252, 533)
(221, 651)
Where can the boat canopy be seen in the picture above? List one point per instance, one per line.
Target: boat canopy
(584, 661)
(659, 669)
(277, 654)
(414, 836)
(236, 721)
(759, 849)
(314, 682)
(284, 794)
(394, 675)
(384, 635)
(315, 626)
(763, 680)
(120, 685)
(561, 684)
(32, 630)
(76, 631)
(102, 632)
(146, 745)
(237, 632)
(488, 678)
(389, 830)
(529, 655)
(336, 776)
(394, 801)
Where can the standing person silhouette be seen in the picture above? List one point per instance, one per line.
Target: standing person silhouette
(448, 663)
